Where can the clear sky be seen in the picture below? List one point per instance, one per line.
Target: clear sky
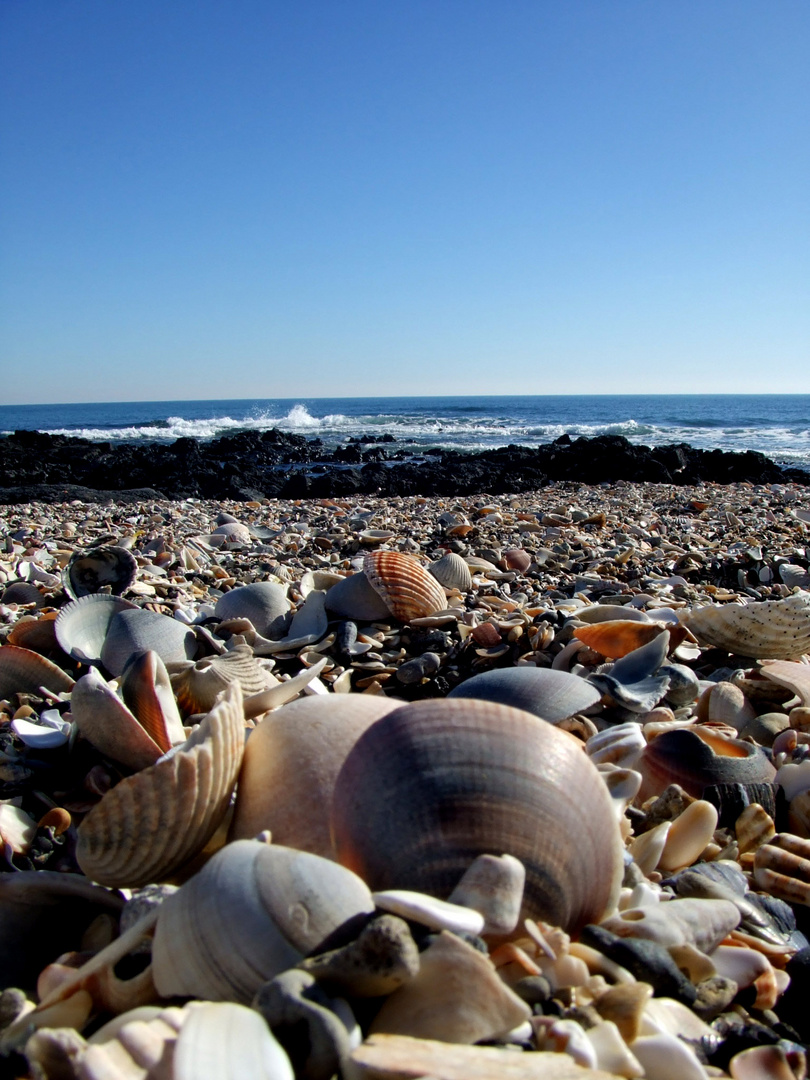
(281, 198)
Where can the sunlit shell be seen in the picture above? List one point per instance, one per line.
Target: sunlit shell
(265, 603)
(769, 629)
(81, 626)
(196, 686)
(291, 763)
(150, 824)
(433, 785)
(104, 720)
(617, 637)
(409, 591)
(782, 868)
(551, 695)
(517, 559)
(37, 634)
(452, 572)
(104, 567)
(147, 691)
(795, 677)
(22, 592)
(599, 613)
(356, 598)
(133, 632)
(24, 672)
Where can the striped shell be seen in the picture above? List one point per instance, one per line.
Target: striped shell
(133, 632)
(196, 686)
(154, 822)
(24, 672)
(618, 637)
(433, 785)
(769, 629)
(409, 591)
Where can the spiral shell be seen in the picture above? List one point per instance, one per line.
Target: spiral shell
(409, 591)
(433, 785)
(152, 823)
(769, 629)
(197, 686)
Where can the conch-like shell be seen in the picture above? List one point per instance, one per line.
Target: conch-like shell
(253, 911)
(24, 672)
(291, 762)
(196, 686)
(431, 786)
(150, 824)
(109, 567)
(409, 591)
(551, 695)
(769, 629)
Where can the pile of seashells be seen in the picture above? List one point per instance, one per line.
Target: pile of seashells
(502, 787)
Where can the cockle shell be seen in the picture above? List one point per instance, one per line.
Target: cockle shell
(253, 911)
(23, 593)
(152, 823)
(265, 603)
(147, 690)
(782, 868)
(37, 634)
(197, 685)
(452, 572)
(409, 591)
(133, 632)
(431, 786)
(109, 567)
(291, 762)
(617, 637)
(551, 695)
(517, 559)
(768, 629)
(82, 625)
(24, 672)
(354, 597)
(108, 724)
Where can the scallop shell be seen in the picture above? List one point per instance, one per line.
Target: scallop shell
(102, 567)
(265, 603)
(253, 911)
(433, 785)
(133, 632)
(409, 591)
(551, 695)
(152, 823)
(291, 762)
(617, 637)
(355, 598)
(82, 625)
(24, 672)
(769, 629)
(196, 686)
(452, 572)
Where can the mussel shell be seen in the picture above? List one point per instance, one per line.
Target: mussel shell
(133, 632)
(409, 591)
(551, 695)
(433, 785)
(82, 625)
(265, 603)
(101, 567)
(769, 629)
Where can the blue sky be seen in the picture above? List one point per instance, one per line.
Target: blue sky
(318, 198)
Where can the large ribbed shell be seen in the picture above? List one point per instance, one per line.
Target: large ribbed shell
(433, 785)
(409, 591)
(196, 686)
(133, 632)
(152, 823)
(82, 625)
(24, 672)
(770, 629)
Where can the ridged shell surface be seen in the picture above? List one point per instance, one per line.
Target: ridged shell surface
(551, 695)
(23, 672)
(409, 591)
(196, 686)
(433, 785)
(102, 567)
(81, 626)
(132, 632)
(265, 603)
(452, 572)
(152, 823)
(769, 629)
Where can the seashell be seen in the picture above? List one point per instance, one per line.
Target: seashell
(782, 868)
(309, 624)
(428, 911)
(622, 744)
(37, 634)
(147, 691)
(108, 724)
(795, 677)
(795, 577)
(431, 786)
(291, 762)
(753, 828)
(725, 703)
(197, 685)
(486, 634)
(355, 598)
(112, 568)
(599, 613)
(152, 823)
(133, 632)
(82, 625)
(769, 629)
(408, 590)
(517, 559)
(684, 685)
(229, 1042)
(761, 1063)
(23, 593)
(701, 923)
(253, 911)
(632, 681)
(612, 1053)
(696, 758)
(551, 695)
(618, 637)
(317, 581)
(452, 572)
(24, 672)
(372, 537)
(265, 603)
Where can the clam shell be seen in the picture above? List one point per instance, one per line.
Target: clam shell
(355, 598)
(152, 823)
(22, 592)
(517, 559)
(263, 602)
(408, 590)
(551, 695)
(253, 911)
(82, 625)
(452, 572)
(133, 632)
(291, 762)
(99, 568)
(196, 686)
(433, 785)
(24, 672)
(37, 634)
(769, 629)
(107, 723)
(617, 637)
(147, 691)
(599, 613)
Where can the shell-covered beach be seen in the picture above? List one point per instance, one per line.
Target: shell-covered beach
(490, 785)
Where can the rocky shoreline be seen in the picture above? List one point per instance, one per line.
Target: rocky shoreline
(257, 465)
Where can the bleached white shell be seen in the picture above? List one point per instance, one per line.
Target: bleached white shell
(769, 629)
(82, 625)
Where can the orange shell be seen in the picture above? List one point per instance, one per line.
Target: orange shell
(617, 637)
(406, 587)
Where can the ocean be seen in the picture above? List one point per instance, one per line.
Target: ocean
(777, 425)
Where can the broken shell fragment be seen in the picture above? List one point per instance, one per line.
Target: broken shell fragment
(768, 629)
(197, 685)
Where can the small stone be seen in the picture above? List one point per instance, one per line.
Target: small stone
(647, 960)
(534, 989)
(383, 957)
(493, 886)
(763, 729)
(429, 911)
(714, 995)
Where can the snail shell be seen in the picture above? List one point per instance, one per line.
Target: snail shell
(433, 785)
(253, 911)
(409, 591)
(769, 629)
(551, 695)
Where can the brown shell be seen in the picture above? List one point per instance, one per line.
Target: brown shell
(24, 672)
(196, 686)
(517, 559)
(795, 677)
(37, 634)
(409, 591)
(769, 629)
(147, 691)
(433, 785)
(152, 823)
(617, 637)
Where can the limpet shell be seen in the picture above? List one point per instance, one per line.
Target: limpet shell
(551, 695)
(100, 567)
(409, 591)
(768, 629)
